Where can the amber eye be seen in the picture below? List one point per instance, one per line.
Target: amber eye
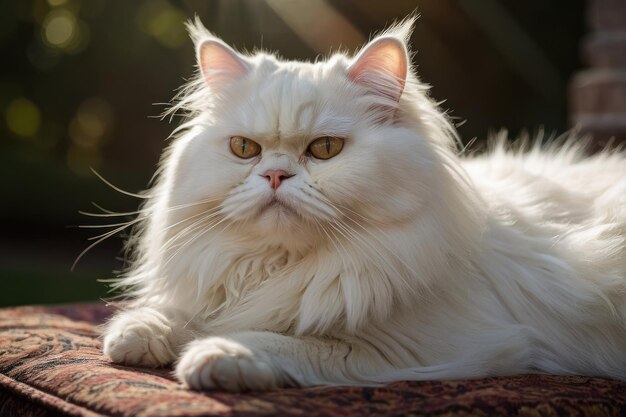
(326, 147)
(244, 147)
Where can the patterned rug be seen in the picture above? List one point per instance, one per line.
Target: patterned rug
(51, 364)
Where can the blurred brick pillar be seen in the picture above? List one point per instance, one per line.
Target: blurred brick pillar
(598, 94)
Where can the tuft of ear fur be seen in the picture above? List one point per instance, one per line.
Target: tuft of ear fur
(219, 63)
(382, 65)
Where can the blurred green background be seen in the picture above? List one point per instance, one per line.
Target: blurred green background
(79, 79)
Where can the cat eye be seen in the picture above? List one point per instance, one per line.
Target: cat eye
(326, 147)
(243, 147)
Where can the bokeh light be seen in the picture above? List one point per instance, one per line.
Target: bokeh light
(23, 117)
(59, 28)
(62, 29)
(88, 130)
(163, 22)
(92, 121)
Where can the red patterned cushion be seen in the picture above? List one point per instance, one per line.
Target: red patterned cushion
(51, 364)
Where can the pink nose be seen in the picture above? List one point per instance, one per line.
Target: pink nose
(276, 177)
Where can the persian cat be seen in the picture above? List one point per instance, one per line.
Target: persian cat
(314, 224)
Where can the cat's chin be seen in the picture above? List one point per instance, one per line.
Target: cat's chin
(277, 207)
(277, 214)
(280, 224)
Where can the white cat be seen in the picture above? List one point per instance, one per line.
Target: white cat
(313, 224)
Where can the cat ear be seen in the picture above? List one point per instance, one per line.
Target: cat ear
(219, 63)
(382, 65)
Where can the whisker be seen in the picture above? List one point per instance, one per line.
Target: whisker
(359, 237)
(345, 251)
(117, 188)
(142, 215)
(196, 237)
(355, 233)
(188, 229)
(311, 199)
(369, 232)
(139, 218)
(374, 251)
(211, 212)
(171, 243)
(116, 230)
(195, 203)
(369, 221)
(100, 226)
(78, 258)
(110, 214)
(99, 207)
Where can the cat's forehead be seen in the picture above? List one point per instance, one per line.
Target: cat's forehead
(294, 82)
(289, 99)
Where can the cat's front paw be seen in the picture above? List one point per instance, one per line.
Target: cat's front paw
(220, 363)
(141, 337)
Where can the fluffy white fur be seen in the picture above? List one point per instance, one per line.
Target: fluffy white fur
(396, 259)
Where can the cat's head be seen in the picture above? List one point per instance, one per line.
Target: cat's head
(289, 150)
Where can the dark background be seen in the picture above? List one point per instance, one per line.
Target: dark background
(78, 80)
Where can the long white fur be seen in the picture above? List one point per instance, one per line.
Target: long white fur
(397, 260)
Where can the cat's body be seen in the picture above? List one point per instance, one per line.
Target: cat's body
(393, 259)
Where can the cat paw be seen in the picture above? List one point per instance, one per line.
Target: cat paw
(220, 363)
(139, 337)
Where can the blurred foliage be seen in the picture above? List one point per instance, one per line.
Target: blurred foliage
(78, 79)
